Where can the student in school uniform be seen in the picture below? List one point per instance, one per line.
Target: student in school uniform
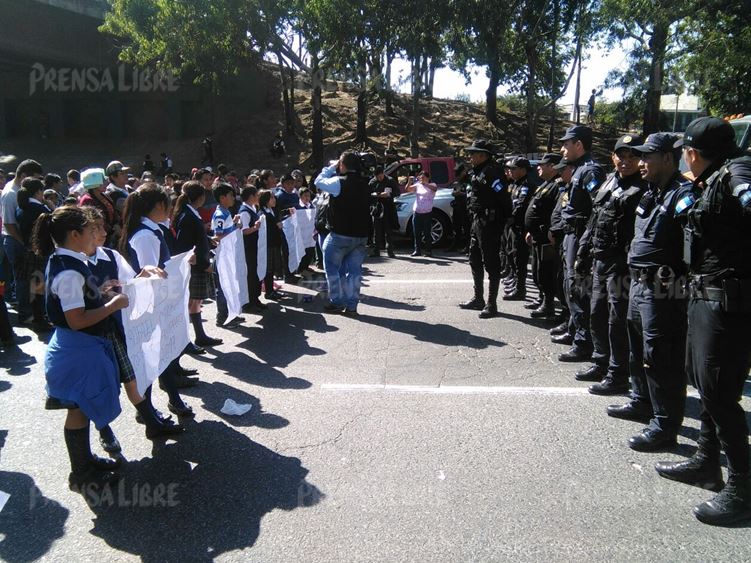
(190, 233)
(80, 365)
(143, 244)
(306, 195)
(30, 201)
(267, 203)
(109, 269)
(223, 224)
(250, 218)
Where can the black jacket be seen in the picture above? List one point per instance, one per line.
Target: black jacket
(190, 232)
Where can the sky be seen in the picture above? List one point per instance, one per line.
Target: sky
(598, 62)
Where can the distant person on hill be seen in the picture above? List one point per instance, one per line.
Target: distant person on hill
(278, 148)
(148, 164)
(591, 107)
(165, 164)
(208, 151)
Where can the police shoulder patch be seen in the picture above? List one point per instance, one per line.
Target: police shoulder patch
(592, 185)
(497, 186)
(684, 204)
(524, 191)
(739, 189)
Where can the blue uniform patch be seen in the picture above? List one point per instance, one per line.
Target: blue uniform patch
(738, 191)
(684, 204)
(497, 186)
(746, 198)
(524, 191)
(592, 185)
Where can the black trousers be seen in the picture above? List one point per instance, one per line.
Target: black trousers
(717, 360)
(577, 290)
(611, 281)
(460, 223)
(251, 259)
(545, 267)
(382, 233)
(484, 254)
(519, 256)
(657, 338)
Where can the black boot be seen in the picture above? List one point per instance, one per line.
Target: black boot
(491, 308)
(477, 302)
(701, 470)
(546, 310)
(84, 474)
(560, 329)
(731, 505)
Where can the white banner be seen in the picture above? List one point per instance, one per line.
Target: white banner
(233, 272)
(262, 250)
(291, 228)
(306, 219)
(156, 320)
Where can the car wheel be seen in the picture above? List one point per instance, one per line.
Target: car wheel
(440, 228)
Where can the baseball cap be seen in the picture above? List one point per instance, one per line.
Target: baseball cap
(581, 132)
(480, 145)
(114, 167)
(561, 165)
(550, 158)
(519, 162)
(628, 142)
(658, 142)
(708, 133)
(92, 178)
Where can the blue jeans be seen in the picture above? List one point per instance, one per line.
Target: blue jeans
(14, 254)
(342, 259)
(421, 223)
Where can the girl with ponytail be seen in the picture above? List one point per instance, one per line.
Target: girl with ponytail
(190, 232)
(80, 366)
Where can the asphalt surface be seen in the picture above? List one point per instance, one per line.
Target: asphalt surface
(414, 432)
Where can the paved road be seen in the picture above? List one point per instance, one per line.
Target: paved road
(415, 432)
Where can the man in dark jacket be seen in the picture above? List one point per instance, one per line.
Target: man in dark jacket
(383, 190)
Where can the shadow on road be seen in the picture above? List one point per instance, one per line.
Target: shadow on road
(215, 487)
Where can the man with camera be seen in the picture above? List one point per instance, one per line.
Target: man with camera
(383, 189)
(344, 249)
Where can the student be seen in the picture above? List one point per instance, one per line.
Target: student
(190, 233)
(143, 244)
(310, 251)
(251, 223)
(109, 268)
(274, 236)
(30, 206)
(223, 224)
(80, 366)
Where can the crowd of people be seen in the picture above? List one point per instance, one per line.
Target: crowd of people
(646, 271)
(651, 270)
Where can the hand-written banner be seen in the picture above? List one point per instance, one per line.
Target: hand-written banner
(233, 272)
(156, 321)
(262, 251)
(306, 219)
(291, 228)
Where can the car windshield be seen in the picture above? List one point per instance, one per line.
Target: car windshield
(740, 128)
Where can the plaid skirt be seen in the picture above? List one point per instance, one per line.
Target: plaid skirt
(31, 266)
(201, 285)
(127, 373)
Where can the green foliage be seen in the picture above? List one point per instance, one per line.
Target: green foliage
(512, 103)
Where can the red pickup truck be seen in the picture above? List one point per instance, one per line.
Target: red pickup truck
(441, 169)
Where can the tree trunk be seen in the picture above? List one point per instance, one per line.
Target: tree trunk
(491, 95)
(657, 45)
(553, 74)
(389, 92)
(431, 78)
(577, 93)
(288, 123)
(531, 133)
(315, 101)
(414, 140)
(361, 135)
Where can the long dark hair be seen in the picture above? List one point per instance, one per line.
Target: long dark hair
(29, 188)
(137, 206)
(191, 192)
(52, 229)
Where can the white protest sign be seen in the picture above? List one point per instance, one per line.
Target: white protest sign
(156, 320)
(306, 219)
(262, 253)
(291, 229)
(233, 273)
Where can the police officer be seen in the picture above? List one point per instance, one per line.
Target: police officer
(657, 300)
(383, 189)
(508, 273)
(489, 205)
(564, 332)
(606, 241)
(537, 225)
(575, 210)
(717, 245)
(459, 214)
(522, 192)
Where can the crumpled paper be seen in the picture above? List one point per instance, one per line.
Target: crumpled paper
(236, 409)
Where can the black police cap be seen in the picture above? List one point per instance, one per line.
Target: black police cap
(520, 162)
(481, 145)
(561, 165)
(708, 133)
(658, 142)
(628, 142)
(551, 158)
(581, 132)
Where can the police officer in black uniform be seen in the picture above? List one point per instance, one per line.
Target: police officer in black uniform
(564, 332)
(459, 214)
(575, 210)
(657, 300)
(383, 189)
(536, 226)
(489, 206)
(606, 242)
(717, 246)
(522, 192)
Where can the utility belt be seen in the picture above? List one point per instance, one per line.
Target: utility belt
(647, 275)
(485, 214)
(732, 293)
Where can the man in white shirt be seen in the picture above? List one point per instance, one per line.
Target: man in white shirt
(12, 240)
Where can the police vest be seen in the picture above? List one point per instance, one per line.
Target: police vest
(577, 201)
(487, 190)
(613, 209)
(718, 232)
(349, 212)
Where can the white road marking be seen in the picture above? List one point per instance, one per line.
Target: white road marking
(460, 389)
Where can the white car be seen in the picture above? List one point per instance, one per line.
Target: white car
(441, 228)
